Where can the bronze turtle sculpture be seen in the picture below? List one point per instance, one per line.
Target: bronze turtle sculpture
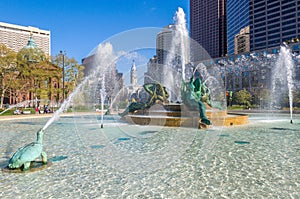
(28, 153)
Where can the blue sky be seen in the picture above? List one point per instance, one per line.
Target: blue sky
(77, 26)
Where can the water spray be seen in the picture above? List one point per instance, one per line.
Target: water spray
(285, 64)
(102, 95)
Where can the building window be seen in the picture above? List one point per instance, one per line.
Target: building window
(273, 10)
(260, 34)
(289, 6)
(288, 11)
(289, 17)
(260, 44)
(289, 28)
(273, 5)
(276, 41)
(289, 33)
(274, 26)
(273, 36)
(273, 31)
(289, 22)
(259, 29)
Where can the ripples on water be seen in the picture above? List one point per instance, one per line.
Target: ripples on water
(119, 161)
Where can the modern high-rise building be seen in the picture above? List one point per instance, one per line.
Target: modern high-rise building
(242, 41)
(156, 64)
(273, 22)
(237, 19)
(16, 37)
(208, 26)
(164, 43)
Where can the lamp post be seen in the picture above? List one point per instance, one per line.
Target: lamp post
(35, 94)
(63, 74)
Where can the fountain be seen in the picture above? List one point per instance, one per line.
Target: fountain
(152, 161)
(165, 114)
(102, 94)
(174, 78)
(177, 56)
(284, 65)
(25, 154)
(65, 104)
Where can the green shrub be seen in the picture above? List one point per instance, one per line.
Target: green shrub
(236, 107)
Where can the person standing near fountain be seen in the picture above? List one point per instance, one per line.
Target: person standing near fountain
(195, 94)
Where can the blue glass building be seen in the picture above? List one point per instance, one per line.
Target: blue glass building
(273, 22)
(208, 26)
(237, 19)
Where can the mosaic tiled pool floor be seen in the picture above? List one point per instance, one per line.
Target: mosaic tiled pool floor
(258, 160)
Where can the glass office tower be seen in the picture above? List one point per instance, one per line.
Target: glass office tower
(273, 22)
(208, 25)
(237, 19)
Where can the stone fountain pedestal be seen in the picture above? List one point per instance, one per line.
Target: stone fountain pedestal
(179, 115)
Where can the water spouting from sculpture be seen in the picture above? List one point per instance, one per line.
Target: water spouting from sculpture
(178, 54)
(181, 39)
(103, 58)
(65, 104)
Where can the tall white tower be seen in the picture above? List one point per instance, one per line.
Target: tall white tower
(133, 75)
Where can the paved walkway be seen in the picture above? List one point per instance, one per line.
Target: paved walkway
(48, 115)
(255, 111)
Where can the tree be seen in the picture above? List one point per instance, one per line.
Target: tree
(8, 71)
(296, 95)
(73, 72)
(243, 97)
(29, 75)
(37, 75)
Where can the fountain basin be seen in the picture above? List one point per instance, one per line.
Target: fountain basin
(185, 163)
(176, 115)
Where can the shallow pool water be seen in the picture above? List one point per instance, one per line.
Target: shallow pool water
(258, 160)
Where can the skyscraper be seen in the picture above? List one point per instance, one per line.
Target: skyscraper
(208, 25)
(242, 41)
(16, 37)
(164, 42)
(273, 22)
(237, 19)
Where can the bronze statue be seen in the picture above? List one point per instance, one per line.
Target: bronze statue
(23, 157)
(157, 93)
(195, 94)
